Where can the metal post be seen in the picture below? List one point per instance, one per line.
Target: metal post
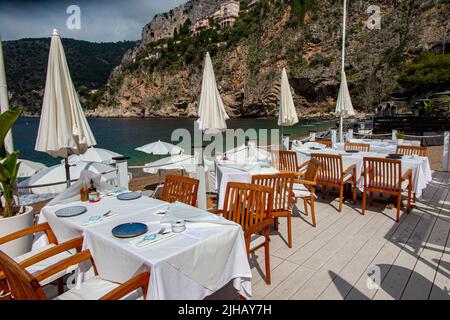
(200, 175)
(445, 152)
(122, 172)
(394, 135)
(333, 137)
(350, 134)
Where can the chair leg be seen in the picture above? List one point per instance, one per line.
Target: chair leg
(313, 212)
(414, 197)
(341, 197)
(60, 284)
(408, 206)
(305, 203)
(354, 191)
(371, 198)
(399, 204)
(289, 230)
(267, 257)
(275, 223)
(363, 211)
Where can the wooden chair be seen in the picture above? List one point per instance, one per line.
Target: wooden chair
(251, 206)
(412, 151)
(281, 184)
(285, 160)
(25, 286)
(41, 264)
(327, 143)
(182, 189)
(305, 187)
(362, 147)
(385, 176)
(332, 174)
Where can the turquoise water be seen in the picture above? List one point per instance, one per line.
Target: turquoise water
(124, 135)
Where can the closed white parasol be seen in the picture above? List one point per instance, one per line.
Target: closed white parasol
(63, 129)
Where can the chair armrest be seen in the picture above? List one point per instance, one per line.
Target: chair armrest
(63, 265)
(139, 281)
(407, 175)
(303, 165)
(259, 226)
(349, 169)
(305, 182)
(43, 227)
(76, 243)
(216, 211)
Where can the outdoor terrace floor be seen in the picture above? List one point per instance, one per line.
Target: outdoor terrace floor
(331, 260)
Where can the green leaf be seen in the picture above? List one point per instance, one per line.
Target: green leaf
(7, 120)
(4, 174)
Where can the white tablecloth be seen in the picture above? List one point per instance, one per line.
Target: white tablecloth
(190, 265)
(225, 174)
(379, 146)
(421, 170)
(69, 228)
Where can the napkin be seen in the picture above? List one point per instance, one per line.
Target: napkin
(95, 219)
(181, 211)
(151, 238)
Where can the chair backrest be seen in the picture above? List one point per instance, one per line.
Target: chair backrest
(312, 171)
(383, 174)
(412, 151)
(182, 189)
(282, 185)
(328, 143)
(22, 284)
(363, 147)
(331, 167)
(247, 204)
(286, 160)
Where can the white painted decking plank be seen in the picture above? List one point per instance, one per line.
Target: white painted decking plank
(322, 278)
(279, 274)
(395, 282)
(421, 280)
(358, 266)
(304, 253)
(333, 246)
(303, 233)
(441, 284)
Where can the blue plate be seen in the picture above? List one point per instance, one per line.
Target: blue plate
(129, 230)
(129, 196)
(70, 211)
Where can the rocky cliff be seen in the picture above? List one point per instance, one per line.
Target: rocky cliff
(161, 76)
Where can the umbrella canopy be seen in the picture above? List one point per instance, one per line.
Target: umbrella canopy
(344, 106)
(63, 129)
(177, 162)
(4, 103)
(95, 155)
(28, 168)
(287, 115)
(56, 174)
(211, 111)
(160, 148)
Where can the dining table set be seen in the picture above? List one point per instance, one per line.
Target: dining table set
(191, 253)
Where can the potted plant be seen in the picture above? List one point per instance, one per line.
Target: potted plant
(12, 217)
(400, 137)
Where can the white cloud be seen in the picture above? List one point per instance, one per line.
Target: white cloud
(101, 20)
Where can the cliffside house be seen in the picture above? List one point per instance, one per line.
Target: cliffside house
(201, 25)
(229, 13)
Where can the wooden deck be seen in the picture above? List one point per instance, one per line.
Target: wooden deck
(332, 260)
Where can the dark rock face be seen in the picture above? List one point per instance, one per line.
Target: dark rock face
(248, 72)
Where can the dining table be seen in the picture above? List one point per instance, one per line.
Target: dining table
(184, 265)
(230, 171)
(420, 166)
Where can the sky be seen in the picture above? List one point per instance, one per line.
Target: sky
(100, 20)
